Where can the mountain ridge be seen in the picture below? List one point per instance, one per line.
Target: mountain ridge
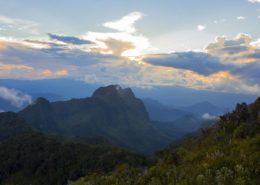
(111, 112)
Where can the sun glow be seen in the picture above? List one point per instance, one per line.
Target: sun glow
(124, 42)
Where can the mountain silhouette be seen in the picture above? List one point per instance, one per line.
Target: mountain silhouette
(111, 112)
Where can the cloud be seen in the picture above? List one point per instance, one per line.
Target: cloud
(148, 76)
(124, 41)
(199, 62)
(10, 25)
(69, 39)
(59, 73)
(201, 27)
(254, 1)
(238, 50)
(16, 98)
(13, 67)
(235, 59)
(115, 47)
(44, 59)
(207, 116)
(198, 71)
(46, 53)
(8, 42)
(11, 70)
(241, 18)
(134, 45)
(124, 56)
(126, 23)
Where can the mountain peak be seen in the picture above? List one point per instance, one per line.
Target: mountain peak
(112, 112)
(113, 91)
(41, 101)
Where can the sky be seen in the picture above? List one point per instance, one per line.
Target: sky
(204, 45)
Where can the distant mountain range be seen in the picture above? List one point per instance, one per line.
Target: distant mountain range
(111, 112)
(163, 122)
(176, 122)
(159, 112)
(205, 107)
(173, 96)
(165, 113)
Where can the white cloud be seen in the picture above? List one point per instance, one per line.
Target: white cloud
(130, 45)
(18, 25)
(207, 116)
(241, 18)
(124, 41)
(15, 97)
(242, 49)
(126, 23)
(254, 1)
(201, 27)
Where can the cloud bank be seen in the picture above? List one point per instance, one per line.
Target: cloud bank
(16, 98)
(199, 62)
(124, 56)
(236, 59)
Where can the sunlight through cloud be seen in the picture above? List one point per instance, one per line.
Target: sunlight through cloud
(126, 23)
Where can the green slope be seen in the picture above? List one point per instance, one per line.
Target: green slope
(226, 154)
(28, 157)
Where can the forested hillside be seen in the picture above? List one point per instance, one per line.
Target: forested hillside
(226, 154)
(28, 157)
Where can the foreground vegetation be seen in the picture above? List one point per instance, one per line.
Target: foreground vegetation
(32, 158)
(227, 154)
